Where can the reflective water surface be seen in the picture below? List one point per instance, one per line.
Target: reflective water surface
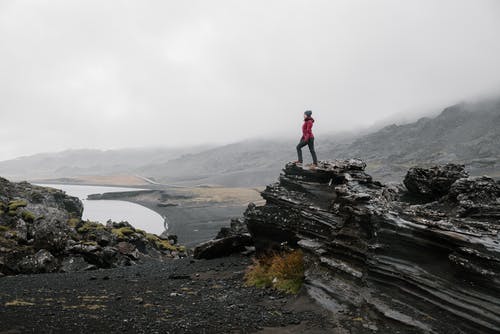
(102, 210)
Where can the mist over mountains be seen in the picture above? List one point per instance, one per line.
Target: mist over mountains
(467, 133)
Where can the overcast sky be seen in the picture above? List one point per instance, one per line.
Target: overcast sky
(110, 74)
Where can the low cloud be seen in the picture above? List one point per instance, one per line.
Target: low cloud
(107, 74)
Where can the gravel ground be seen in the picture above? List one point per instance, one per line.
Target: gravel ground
(178, 296)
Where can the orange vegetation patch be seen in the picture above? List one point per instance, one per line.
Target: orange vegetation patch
(283, 271)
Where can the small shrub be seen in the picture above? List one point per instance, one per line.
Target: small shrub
(282, 271)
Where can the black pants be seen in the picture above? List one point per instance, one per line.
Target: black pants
(309, 143)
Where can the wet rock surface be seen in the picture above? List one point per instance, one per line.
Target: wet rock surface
(400, 263)
(41, 231)
(433, 183)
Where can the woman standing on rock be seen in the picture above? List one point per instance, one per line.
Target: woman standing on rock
(307, 139)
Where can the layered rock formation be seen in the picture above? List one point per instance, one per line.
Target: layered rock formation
(41, 230)
(419, 260)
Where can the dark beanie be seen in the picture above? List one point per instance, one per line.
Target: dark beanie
(308, 113)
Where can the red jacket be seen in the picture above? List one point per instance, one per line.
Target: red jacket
(307, 129)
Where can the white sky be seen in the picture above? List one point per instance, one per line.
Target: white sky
(110, 74)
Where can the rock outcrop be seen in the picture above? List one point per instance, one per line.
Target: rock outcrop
(383, 259)
(432, 183)
(228, 241)
(41, 231)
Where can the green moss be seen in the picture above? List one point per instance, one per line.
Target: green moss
(73, 222)
(151, 237)
(140, 231)
(123, 232)
(14, 205)
(4, 228)
(28, 216)
(159, 243)
(89, 226)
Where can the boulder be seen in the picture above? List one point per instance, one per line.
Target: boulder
(476, 196)
(480, 189)
(41, 262)
(433, 182)
(171, 238)
(21, 229)
(128, 249)
(51, 235)
(237, 226)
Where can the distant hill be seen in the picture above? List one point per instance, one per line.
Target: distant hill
(468, 133)
(82, 162)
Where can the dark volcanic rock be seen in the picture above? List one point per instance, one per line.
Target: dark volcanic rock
(432, 183)
(229, 240)
(41, 231)
(402, 266)
(51, 235)
(480, 189)
(236, 227)
(222, 247)
(476, 196)
(42, 262)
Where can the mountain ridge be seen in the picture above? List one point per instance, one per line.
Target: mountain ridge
(466, 133)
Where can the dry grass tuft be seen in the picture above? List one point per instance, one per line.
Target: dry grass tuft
(19, 302)
(282, 271)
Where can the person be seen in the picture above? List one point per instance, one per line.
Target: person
(307, 139)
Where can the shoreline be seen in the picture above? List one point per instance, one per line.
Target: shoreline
(190, 214)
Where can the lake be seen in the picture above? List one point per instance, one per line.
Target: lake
(103, 210)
